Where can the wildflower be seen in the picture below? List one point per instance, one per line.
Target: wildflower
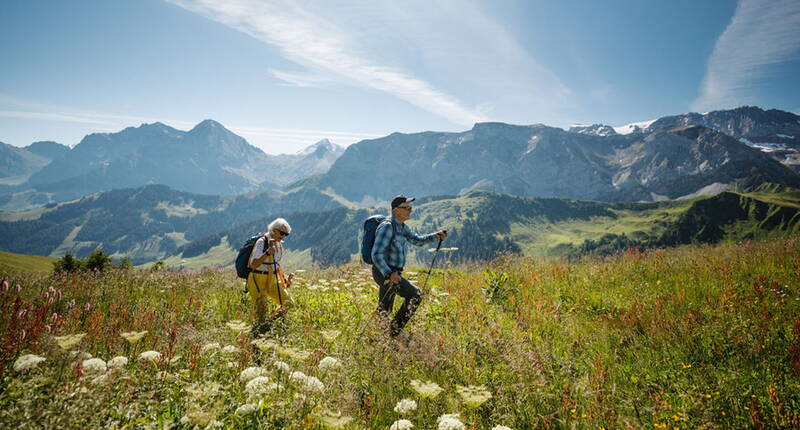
(309, 384)
(94, 365)
(237, 326)
(260, 385)
(209, 347)
(264, 345)
(246, 409)
(133, 336)
(230, 349)
(69, 341)
(501, 428)
(330, 335)
(333, 420)
(474, 396)
(426, 390)
(27, 362)
(80, 356)
(450, 422)
(401, 425)
(251, 372)
(150, 356)
(293, 353)
(201, 419)
(118, 362)
(283, 367)
(405, 406)
(329, 363)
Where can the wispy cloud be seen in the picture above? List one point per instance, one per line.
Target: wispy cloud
(762, 33)
(398, 48)
(313, 40)
(304, 80)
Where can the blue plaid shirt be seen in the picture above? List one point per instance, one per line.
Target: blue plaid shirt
(388, 251)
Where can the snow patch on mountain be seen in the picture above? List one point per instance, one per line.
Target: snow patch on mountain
(634, 127)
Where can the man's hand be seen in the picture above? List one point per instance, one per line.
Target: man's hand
(395, 277)
(289, 280)
(442, 234)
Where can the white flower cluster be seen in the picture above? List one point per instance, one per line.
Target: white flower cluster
(450, 422)
(27, 362)
(150, 356)
(283, 367)
(309, 384)
(329, 363)
(246, 409)
(94, 365)
(250, 373)
(118, 362)
(209, 347)
(405, 406)
(259, 386)
(230, 349)
(401, 425)
(501, 428)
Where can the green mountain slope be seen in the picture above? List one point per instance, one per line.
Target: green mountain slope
(485, 224)
(10, 262)
(145, 224)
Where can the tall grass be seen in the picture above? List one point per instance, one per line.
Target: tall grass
(697, 336)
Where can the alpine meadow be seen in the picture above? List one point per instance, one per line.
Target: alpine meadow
(471, 215)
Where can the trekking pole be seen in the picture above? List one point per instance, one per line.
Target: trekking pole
(277, 282)
(435, 253)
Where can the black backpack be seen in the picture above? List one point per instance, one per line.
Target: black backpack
(368, 239)
(242, 260)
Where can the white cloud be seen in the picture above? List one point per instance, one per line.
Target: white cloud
(377, 45)
(304, 80)
(762, 33)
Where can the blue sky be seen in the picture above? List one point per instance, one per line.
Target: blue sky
(284, 74)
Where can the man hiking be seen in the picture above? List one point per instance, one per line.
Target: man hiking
(266, 276)
(389, 257)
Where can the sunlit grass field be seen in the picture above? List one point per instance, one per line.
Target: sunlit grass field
(694, 337)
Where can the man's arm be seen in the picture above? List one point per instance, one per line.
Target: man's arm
(383, 235)
(259, 255)
(418, 240)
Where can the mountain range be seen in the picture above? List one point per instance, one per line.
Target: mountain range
(499, 188)
(208, 159)
(542, 161)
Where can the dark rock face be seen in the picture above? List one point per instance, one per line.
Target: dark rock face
(748, 123)
(209, 159)
(542, 161)
(19, 161)
(48, 149)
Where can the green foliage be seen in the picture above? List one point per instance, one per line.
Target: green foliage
(158, 266)
(696, 336)
(98, 260)
(68, 264)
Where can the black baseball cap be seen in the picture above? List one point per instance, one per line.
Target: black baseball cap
(399, 200)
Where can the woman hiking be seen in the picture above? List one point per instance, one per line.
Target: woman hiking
(266, 278)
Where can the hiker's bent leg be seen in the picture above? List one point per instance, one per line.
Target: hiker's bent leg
(255, 288)
(385, 293)
(283, 302)
(412, 296)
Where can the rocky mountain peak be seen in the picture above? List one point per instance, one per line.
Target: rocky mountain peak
(593, 130)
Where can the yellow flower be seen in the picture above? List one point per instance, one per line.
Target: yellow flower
(475, 395)
(69, 341)
(426, 389)
(133, 336)
(237, 326)
(330, 335)
(686, 366)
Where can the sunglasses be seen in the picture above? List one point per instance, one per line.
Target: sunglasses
(404, 207)
(283, 233)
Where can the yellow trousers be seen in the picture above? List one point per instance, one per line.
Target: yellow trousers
(261, 286)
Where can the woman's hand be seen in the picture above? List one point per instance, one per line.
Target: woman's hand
(289, 280)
